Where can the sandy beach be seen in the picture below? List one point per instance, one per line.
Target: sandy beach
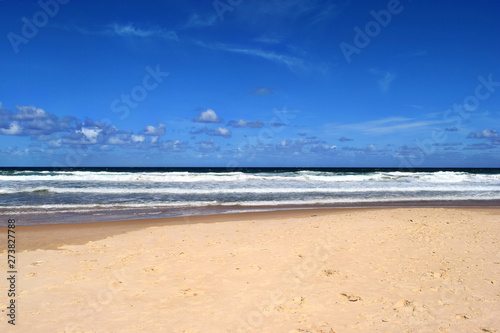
(341, 270)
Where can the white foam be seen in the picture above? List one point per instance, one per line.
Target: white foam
(246, 190)
(75, 208)
(307, 176)
(192, 189)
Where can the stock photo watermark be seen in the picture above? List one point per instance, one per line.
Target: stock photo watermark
(31, 26)
(294, 276)
(95, 304)
(222, 6)
(11, 271)
(265, 136)
(456, 114)
(123, 106)
(363, 37)
(138, 93)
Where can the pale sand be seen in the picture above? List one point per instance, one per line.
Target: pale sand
(376, 270)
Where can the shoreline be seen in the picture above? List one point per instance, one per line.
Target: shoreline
(53, 236)
(95, 216)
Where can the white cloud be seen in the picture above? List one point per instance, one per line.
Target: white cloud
(291, 62)
(29, 112)
(220, 131)
(173, 146)
(327, 13)
(14, 129)
(130, 30)
(385, 81)
(90, 133)
(55, 143)
(223, 131)
(209, 145)
(371, 148)
(137, 138)
(323, 148)
(116, 141)
(243, 123)
(154, 131)
(208, 116)
(33, 121)
(389, 125)
(484, 134)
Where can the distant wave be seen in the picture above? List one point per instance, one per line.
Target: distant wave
(35, 192)
(304, 176)
(269, 190)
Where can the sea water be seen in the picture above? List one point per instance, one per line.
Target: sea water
(45, 195)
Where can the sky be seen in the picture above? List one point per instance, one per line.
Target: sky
(240, 83)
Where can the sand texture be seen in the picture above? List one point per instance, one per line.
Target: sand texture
(375, 270)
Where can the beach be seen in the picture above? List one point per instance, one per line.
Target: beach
(324, 270)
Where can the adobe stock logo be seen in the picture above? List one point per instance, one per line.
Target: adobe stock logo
(138, 93)
(221, 7)
(372, 29)
(29, 30)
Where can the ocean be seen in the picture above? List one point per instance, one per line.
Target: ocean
(72, 195)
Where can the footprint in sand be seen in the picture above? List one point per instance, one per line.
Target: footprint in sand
(188, 292)
(404, 305)
(463, 316)
(317, 330)
(151, 269)
(329, 272)
(295, 303)
(351, 298)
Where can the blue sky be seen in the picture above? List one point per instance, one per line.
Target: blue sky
(235, 83)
